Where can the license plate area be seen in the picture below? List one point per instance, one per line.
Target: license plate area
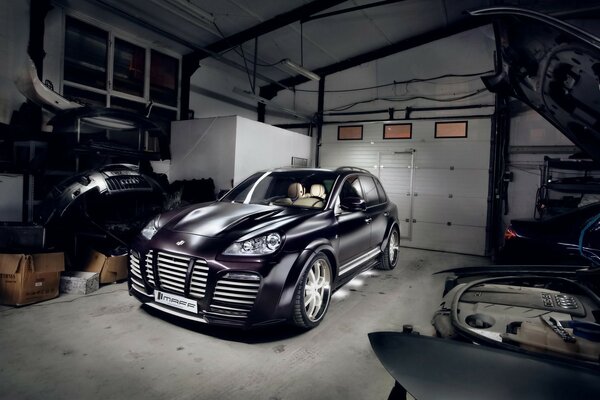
(176, 301)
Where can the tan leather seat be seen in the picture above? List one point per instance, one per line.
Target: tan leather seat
(296, 191)
(317, 195)
(317, 190)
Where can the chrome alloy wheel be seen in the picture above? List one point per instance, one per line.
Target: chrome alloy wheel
(393, 247)
(317, 289)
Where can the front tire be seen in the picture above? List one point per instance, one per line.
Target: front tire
(389, 258)
(311, 299)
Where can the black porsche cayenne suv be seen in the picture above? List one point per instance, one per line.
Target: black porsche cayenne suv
(273, 249)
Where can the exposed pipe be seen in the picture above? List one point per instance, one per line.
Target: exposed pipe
(411, 109)
(320, 106)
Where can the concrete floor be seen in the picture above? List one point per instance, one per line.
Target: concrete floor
(105, 346)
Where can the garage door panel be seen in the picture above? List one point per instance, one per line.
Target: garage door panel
(458, 155)
(458, 239)
(456, 210)
(395, 180)
(463, 182)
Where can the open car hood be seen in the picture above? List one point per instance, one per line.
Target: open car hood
(553, 67)
(432, 368)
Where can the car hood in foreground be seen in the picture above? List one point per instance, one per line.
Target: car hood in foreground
(553, 67)
(432, 368)
(220, 218)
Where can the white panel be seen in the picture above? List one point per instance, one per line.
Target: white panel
(260, 146)
(456, 239)
(203, 148)
(456, 210)
(459, 182)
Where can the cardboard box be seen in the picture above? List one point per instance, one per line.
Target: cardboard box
(110, 268)
(29, 278)
(79, 282)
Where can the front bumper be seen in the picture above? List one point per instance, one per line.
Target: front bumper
(229, 293)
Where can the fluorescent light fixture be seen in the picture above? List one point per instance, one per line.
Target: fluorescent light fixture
(189, 7)
(262, 100)
(292, 66)
(190, 13)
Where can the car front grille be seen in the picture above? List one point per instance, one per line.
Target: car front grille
(136, 272)
(234, 297)
(149, 269)
(172, 270)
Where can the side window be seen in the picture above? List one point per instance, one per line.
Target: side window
(351, 188)
(370, 190)
(382, 195)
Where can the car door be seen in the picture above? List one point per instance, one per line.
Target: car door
(376, 209)
(354, 229)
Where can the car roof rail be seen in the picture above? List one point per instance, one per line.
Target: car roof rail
(356, 169)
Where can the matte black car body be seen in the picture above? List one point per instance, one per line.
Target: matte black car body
(570, 238)
(351, 241)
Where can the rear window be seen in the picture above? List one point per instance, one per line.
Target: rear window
(382, 195)
(370, 190)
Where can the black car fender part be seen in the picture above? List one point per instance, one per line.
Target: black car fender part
(432, 368)
(297, 270)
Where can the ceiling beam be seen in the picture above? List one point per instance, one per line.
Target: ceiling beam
(348, 10)
(465, 24)
(265, 27)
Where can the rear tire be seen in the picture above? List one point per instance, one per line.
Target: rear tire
(312, 295)
(389, 258)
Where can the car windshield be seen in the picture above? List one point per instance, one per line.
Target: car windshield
(296, 188)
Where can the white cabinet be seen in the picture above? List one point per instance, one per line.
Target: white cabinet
(229, 149)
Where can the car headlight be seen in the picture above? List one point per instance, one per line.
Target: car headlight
(150, 230)
(257, 246)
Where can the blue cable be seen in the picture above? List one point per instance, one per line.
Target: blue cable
(587, 226)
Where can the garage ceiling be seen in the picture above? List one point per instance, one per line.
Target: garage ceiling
(325, 36)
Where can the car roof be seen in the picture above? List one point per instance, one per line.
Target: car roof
(342, 171)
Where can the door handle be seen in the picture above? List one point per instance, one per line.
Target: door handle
(368, 220)
(386, 214)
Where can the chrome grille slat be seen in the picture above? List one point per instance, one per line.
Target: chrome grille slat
(170, 273)
(235, 283)
(227, 300)
(173, 270)
(236, 295)
(149, 271)
(230, 308)
(234, 298)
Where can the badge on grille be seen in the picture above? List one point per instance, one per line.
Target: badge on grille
(180, 243)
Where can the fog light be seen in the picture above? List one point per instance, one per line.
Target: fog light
(242, 276)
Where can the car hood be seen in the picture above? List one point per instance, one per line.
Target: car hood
(551, 66)
(221, 219)
(432, 368)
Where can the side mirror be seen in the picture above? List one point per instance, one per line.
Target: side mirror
(353, 204)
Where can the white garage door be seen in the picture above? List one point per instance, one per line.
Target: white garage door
(440, 185)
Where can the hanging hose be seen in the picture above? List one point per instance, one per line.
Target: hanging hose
(593, 257)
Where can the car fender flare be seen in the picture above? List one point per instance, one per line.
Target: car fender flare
(319, 245)
(388, 232)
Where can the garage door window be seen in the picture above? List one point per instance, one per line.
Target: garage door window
(354, 132)
(451, 129)
(397, 131)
